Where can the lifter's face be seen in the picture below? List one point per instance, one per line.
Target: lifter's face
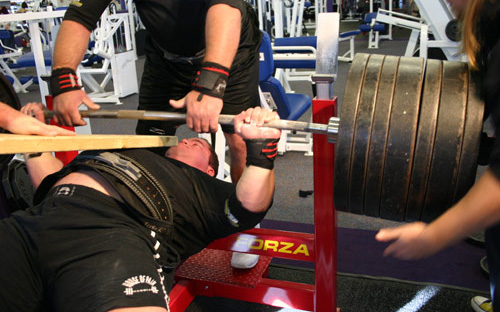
(194, 152)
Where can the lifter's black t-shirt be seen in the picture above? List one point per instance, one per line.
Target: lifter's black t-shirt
(204, 208)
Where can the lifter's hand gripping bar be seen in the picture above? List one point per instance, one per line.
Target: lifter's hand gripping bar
(330, 130)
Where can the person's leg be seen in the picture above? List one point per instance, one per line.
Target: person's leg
(492, 236)
(162, 80)
(96, 257)
(22, 287)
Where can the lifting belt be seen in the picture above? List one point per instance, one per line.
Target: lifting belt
(156, 205)
(142, 183)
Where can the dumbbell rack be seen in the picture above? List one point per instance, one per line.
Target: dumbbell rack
(210, 274)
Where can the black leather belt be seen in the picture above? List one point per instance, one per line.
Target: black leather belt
(136, 177)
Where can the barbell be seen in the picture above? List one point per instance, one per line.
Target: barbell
(330, 130)
(407, 140)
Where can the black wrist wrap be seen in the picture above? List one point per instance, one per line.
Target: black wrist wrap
(63, 80)
(262, 152)
(211, 79)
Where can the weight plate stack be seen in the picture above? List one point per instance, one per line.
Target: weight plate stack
(362, 129)
(378, 136)
(408, 138)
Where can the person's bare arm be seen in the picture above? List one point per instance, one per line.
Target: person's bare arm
(479, 209)
(71, 44)
(41, 166)
(222, 36)
(222, 32)
(19, 123)
(255, 188)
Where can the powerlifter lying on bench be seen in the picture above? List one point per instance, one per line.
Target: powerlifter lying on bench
(108, 229)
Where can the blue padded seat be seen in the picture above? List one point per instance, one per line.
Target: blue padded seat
(290, 105)
(28, 60)
(366, 27)
(347, 34)
(308, 41)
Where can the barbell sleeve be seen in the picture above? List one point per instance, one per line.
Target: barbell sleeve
(331, 129)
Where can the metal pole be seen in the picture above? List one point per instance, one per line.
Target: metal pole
(330, 129)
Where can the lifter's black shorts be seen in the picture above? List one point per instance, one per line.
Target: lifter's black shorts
(79, 250)
(165, 79)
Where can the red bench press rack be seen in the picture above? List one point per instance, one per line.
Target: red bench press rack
(320, 248)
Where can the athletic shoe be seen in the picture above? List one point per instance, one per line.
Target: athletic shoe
(481, 304)
(241, 260)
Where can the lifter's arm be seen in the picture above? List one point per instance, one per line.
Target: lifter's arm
(40, 166)
(255, 188)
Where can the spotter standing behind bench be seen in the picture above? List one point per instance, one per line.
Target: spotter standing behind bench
(110, 227)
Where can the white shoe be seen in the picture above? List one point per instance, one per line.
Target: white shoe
(481, 304)
(241, 260)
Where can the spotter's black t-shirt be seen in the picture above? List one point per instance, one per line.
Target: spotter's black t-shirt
(177, 26)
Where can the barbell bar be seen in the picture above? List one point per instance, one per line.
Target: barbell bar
(330, 129)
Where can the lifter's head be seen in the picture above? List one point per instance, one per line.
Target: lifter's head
(197, 153)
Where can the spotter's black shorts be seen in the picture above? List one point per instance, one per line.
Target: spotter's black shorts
(79, 250)
(165, 79)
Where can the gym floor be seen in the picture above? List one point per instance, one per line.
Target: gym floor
(294, 173)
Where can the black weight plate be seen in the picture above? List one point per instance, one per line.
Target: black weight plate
(378, 139)
(448, 141)
(21, 185)
(425, 139)
(345, 136)
(9, 97)
(470, 147)
(362, 130)
(452, 30)
(401, 139)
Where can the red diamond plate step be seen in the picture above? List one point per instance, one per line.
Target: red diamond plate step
(213, 265)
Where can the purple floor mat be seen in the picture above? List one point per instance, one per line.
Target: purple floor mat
(360, 253)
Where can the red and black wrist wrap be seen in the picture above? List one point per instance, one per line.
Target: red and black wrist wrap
(211, 79)
(262, 152)
(63, 80)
